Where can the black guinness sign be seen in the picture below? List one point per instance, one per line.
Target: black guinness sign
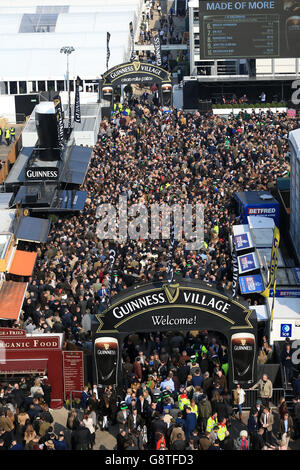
(182, 305)
(136, 72)
(41, 174)
(175, 305)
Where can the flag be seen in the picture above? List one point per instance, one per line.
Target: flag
(132, 57)
(60, 122)
(235, 273)
(112, 259)
(274, 262)
(170, 271)
(157, 47)
(77, 113)
(107, 49)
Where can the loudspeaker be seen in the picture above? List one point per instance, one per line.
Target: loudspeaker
(204, 106)
(190, 94)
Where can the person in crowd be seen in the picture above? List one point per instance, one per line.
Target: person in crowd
(265, 388)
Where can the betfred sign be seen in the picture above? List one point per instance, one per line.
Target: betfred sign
(31, 343)
(261, 210)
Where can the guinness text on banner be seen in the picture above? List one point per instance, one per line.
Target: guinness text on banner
(60, 122)
(77, 113)
(132, 56)
(157, 47)
(107, 49)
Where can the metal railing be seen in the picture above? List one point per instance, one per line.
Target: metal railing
(253, 395)
(72, 395)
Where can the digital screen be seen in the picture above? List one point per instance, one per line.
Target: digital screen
(249, 29)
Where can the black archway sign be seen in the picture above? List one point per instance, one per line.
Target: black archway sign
(180, 306)
(135, 72)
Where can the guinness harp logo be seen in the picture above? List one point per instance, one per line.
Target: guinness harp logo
(243, 341)
(106, 346)
(136, 66)
(172, 292)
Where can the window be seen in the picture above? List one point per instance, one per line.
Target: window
(41, 85)
(60, 85)
(38, 23)
(51, 85)
(13, 88)
(22, 87)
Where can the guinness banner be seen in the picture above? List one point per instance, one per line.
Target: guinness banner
(107, 49)
(77, 113)
(132, 57)
(235, 273)
(60, 122)
(164, 306)
(136, 72)
(157, 47)
(112, 258)
(171, 251)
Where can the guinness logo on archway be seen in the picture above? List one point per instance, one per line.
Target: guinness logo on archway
(137, 66)
(172, 292)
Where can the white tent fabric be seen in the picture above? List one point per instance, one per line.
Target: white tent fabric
(36, 55)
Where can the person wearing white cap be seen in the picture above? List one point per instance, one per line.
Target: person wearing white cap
(242, 442)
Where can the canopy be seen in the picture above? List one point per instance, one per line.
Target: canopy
(23, 263)
(11, 299)
(33, 229)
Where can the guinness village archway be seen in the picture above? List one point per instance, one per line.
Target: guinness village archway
(181, 306)
(136, 72)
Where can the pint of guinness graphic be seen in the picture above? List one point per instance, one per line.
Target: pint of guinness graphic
(106, 351)
(292, 31)
(243, 357)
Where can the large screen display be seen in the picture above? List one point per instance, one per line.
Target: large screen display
(249, 29)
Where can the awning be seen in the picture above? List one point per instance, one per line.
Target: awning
(77, 165)
(33, 229)
(23, 366)
(23, 263)
(11, 299)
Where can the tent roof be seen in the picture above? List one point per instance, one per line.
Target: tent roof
(11, 299)
(32, 34)
(23, 263)
(33, 229)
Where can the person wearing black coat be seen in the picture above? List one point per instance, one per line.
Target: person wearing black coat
(179, 444)
(218, 406)
(182, 372)
(157, 426)
(121, 440)
(80, 438)
(18, 395)
(257, 442)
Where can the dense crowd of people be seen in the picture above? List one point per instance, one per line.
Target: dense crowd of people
(175, 397)
(153, 155)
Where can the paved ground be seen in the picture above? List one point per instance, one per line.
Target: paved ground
(104, 440)
(107, 441)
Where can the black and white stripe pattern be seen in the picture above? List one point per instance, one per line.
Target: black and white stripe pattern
(132, 57)
(77, 113)
(107, 49)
